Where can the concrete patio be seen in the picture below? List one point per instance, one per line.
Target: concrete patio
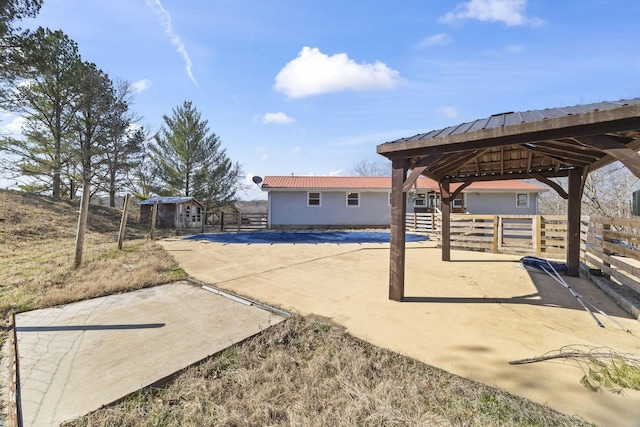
(470, 316)
(78, 357)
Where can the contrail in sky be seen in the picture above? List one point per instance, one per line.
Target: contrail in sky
(165, 20)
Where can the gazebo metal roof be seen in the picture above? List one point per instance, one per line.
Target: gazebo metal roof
(514, 145)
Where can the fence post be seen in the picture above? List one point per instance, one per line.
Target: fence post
(239, 219)
(221, 220)
(537, 238)
(415, 222)
(606, 226)
(497, 233)
(154, 215)
(123, 221)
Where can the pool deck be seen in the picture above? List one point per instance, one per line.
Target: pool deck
(470, 316)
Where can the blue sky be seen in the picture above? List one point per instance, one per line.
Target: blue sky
(312, 87)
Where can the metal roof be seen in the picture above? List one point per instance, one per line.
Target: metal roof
(514, 118)
(539, 144)
(381, 183)
(167, 200)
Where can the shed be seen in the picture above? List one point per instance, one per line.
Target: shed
(539, 144)
(177, 212)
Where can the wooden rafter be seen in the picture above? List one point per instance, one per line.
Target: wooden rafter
(617, 150)
(418, 170)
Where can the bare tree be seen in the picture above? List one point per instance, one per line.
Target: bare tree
(372, 168)
(607, 192)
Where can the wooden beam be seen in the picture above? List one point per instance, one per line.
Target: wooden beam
(445, 233)
(576, 184)
(460, 188)
(397, 230)
(418, 170)
(551, 184)
(619, 151)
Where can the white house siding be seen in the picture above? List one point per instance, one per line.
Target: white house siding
(289, 208)
(499, 203)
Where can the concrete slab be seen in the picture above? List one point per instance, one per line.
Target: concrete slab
(81, 356)
(470, 316)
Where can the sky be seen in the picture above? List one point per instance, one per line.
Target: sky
(312, 87)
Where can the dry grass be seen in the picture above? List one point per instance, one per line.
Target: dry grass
(302, 372)
(37, 243)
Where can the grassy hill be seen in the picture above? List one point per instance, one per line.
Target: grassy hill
(37, 246)
(303, 371)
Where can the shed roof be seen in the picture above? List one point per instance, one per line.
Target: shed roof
(381, 183)
(530, 144)
(168, 200)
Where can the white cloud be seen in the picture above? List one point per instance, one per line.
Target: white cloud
(511, 12)
(441, 39)
(141, 85)
(14, 127)
(278, 118)
(336, 172)
(296, 150)
(450, 112)
(165, 20)
(314, 73)
(264, 157)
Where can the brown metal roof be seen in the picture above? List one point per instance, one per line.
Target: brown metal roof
(530, 144)
(380, 183)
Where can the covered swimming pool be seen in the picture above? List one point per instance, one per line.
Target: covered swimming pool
(270, 237)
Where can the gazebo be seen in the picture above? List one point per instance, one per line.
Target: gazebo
(539, 144)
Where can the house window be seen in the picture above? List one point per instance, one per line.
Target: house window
(313, 199)
(522, 200)
(420, 200)
(353, 199)
(458, 202)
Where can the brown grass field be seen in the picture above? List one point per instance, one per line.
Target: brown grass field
(302, 372)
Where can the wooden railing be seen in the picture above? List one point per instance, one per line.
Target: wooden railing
(421, 222)
(610, 246)
(238, 221)
(613, 247)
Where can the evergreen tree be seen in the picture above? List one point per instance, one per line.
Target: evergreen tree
(190, 160)
(47, 94)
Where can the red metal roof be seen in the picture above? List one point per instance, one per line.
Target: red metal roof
(383, 183)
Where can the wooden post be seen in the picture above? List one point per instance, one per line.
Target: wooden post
(606, 226)
(82, 223)
(239, 219)
(397, 230)
(573, 218)
(221, 220)
(445, 196)
(123, 220)
(154, 215)
(536, 234)
(497, 233)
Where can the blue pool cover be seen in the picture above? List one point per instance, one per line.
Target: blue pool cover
(270, 237)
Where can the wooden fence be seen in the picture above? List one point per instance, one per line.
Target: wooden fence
(612, 246)
(608, 245)
(238, 221)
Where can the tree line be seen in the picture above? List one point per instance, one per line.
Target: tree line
(80, 134)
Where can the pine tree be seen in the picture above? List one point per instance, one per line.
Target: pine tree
(190, 160)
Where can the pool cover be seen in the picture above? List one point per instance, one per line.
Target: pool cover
(269, 237)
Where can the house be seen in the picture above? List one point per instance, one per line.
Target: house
(336, 201)
(178, 212)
